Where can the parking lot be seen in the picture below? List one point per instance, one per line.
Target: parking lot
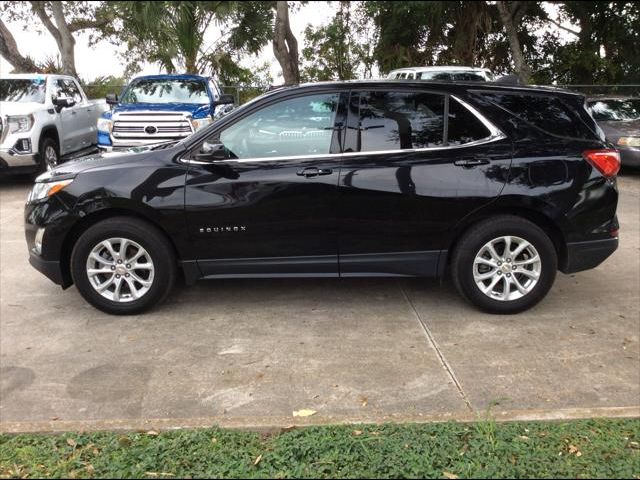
(249, 353)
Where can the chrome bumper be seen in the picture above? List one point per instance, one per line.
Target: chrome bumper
(9, 158)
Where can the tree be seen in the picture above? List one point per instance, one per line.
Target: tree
(9, 51)
(511, 14)
(173, 33)
(285, 45)
(331, 51)
(61, 19)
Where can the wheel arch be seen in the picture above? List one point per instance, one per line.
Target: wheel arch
(50, 131)
(93, 218)
(546, 223)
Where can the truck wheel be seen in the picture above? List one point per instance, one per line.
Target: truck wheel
(504, 264)
(123, 266)
(49, 154)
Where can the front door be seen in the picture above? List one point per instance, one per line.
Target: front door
(268, 207)
(415, 163)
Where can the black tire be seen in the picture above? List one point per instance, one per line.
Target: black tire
(146, 235)
(47, 143)
(470, 245)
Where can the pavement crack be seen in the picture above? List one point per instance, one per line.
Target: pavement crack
(443, 361)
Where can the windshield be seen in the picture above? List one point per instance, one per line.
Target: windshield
(166, 91)
(22, 90)
(615, 110)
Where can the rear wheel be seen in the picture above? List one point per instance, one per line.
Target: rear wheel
(123, 266)
(504, 264)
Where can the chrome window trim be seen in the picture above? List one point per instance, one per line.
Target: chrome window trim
(495, 134)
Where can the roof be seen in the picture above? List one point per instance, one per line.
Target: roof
(434, 84)
(449, 68)
(166, 76)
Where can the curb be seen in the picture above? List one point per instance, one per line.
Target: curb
(279, 424)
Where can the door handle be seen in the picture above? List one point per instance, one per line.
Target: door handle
(471, 162)
(314, 172)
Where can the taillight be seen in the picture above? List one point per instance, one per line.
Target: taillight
(607, 161)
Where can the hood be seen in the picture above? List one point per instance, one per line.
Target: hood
(621, 128)
(192, 108)
(20, 108)
(103, 159)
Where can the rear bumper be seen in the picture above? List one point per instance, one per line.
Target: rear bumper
(630, 157)
(50, 269)
(585, 255)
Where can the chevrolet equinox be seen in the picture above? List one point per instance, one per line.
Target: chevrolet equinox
(497, 186)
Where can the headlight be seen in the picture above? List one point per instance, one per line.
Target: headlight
(200, 123)
(629, 141)
(19, 123)
(46, 189)
(104, 124)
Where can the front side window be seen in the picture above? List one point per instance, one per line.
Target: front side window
(391, 120)
(67, 88)
(167, 91)
(22, 90)
(293, 127)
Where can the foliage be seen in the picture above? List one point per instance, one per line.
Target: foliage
(333, 51)
(100, 86)
(577, 449)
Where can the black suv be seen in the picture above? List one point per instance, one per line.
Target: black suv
(499, 185)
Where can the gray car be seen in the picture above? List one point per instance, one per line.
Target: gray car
(619, 118)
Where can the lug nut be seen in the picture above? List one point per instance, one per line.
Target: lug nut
(113, 267)
(499, 264)
(117, 276)
(499, 272)
(119, 261)
(126, 274)
(514, 267)
(128, 265)
(508, 274)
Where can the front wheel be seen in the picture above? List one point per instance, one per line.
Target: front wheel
(123, 266)
(49, 154)
(504, 264)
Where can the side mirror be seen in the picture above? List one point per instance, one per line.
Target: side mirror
(225, 99)
(112, 98)
(210, 152)
(64, 102)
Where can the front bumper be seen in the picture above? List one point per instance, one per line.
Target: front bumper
(10, 158)
(50, 269)
(585, 255)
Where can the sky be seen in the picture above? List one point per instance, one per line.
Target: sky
(100, 60)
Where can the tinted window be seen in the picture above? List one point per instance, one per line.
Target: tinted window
(400, 120)
(166, 91)
(615, 110)
(22, 90)
(545, 112)
(464, 126)
(299, 126)
(440, 76)
(67, 88)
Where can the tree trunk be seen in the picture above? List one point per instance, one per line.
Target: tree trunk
(509, 19)
(9, 51)
(60, 32)
(285, 45)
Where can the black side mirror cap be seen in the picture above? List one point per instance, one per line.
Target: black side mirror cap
(112, 98)
(210, 152)
(64, 102)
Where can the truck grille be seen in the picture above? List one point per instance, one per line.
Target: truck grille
(150, 127)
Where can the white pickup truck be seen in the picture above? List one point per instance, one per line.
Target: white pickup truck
(42, 119)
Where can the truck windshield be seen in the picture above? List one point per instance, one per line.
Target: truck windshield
(22, 90)
(615, 110)
(166, 91)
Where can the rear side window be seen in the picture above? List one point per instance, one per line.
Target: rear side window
(399, 120)
(545, 112)
(464, 126)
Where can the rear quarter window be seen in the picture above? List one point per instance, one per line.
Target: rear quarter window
(547, 113)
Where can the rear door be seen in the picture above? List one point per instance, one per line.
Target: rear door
(269, 208)
(74, 119)
(415, 163)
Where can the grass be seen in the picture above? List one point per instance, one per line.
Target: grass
(576, 449)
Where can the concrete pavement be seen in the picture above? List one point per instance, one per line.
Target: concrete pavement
(250, 352)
